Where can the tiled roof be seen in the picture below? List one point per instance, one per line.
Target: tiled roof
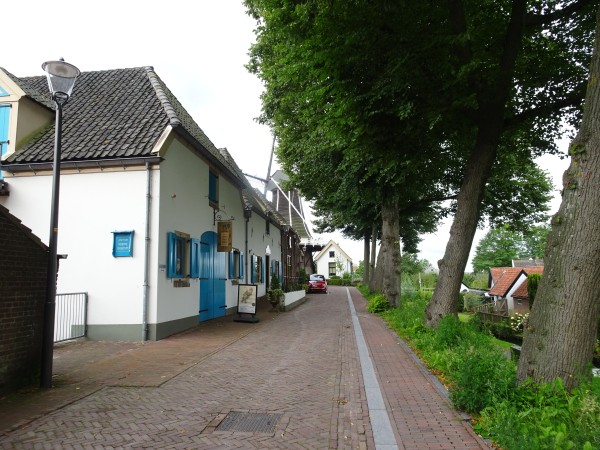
(254, 199)
(527, 262)
(521, 291)
(536, 269)
(504, 278)
(113, 114)
(40, 96)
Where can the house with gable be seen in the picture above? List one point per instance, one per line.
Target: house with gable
(333, 261)
(159, 226)
(510, 284)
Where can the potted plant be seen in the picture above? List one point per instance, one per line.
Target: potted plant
(275, 293)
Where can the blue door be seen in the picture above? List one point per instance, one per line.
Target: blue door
(212, 278)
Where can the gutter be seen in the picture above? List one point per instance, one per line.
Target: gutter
(14, 167)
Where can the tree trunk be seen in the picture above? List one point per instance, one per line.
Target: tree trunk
(559, 339)
(372, 281)
(377, 274)
(366, 260)
(390, 250)
(492, 105)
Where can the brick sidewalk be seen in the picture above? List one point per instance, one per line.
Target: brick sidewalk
(291, 381)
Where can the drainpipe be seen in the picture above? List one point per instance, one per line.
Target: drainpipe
(247, 215)
(146, 286)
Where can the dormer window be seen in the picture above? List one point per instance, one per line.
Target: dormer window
(213, 188)
(4, 123)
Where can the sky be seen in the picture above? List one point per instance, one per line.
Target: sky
(199, 49)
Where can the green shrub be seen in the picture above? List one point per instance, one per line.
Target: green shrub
(378, 304)
(544, 416)
(482, 381)
(471, 299)
(533, 280)
(483, 377)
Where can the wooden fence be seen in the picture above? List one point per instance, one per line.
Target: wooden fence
(493, 312)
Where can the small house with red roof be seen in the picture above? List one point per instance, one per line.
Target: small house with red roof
(510, 284)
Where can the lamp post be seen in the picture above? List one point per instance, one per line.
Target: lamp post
(61, 79)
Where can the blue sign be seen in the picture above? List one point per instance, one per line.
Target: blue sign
(122, 243)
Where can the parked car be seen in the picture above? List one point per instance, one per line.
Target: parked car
(317, 283)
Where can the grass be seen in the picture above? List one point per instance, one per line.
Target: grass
(482, 381)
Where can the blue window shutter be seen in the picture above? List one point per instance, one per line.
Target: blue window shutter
(213, 187)
(175, 256)
(194, 258)
(171, 255)
(231, 265)
(4, 117)
(281, 272)
(253, 269)
(262, 270)
(241, 265)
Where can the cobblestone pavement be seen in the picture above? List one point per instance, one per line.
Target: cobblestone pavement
(293, 380)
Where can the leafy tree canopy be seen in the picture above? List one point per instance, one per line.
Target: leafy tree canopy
(501, 245)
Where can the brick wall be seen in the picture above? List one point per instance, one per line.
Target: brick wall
(23, 266)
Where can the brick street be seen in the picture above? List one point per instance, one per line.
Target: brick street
(293, 380)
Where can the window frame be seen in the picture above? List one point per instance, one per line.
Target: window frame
(5, 109)
(236, 264)
(332, 265)
(213, 187)
(178, 250)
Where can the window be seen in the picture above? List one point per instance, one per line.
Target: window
(267, 227)
(332, 254)
(213, 187)
(178, 255)
(332, 269)
(236, 265)
(4, 117)
(257, 270)
(275, 269)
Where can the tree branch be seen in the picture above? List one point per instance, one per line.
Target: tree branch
(534, 20)
(575, 98)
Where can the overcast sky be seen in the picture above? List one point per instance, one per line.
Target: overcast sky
(198, 48)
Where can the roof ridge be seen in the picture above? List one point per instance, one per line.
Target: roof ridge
(160, 89)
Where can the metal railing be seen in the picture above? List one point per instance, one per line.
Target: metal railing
(70, 320)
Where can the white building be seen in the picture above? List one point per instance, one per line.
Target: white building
(143, 195)
(332, 261)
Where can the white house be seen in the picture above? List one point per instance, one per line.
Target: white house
(158, 225)
(332, 260)
(506, 283)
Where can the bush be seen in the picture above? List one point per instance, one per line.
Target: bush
(544, 416)
(471, 299)
(484, 376)
(378, 304)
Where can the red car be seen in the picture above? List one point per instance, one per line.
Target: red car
(317, 283)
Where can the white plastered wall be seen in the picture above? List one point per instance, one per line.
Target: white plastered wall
(92, 206)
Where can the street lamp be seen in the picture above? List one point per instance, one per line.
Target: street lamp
(61, 79)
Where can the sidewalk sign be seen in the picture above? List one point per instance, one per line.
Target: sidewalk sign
(247, 296)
